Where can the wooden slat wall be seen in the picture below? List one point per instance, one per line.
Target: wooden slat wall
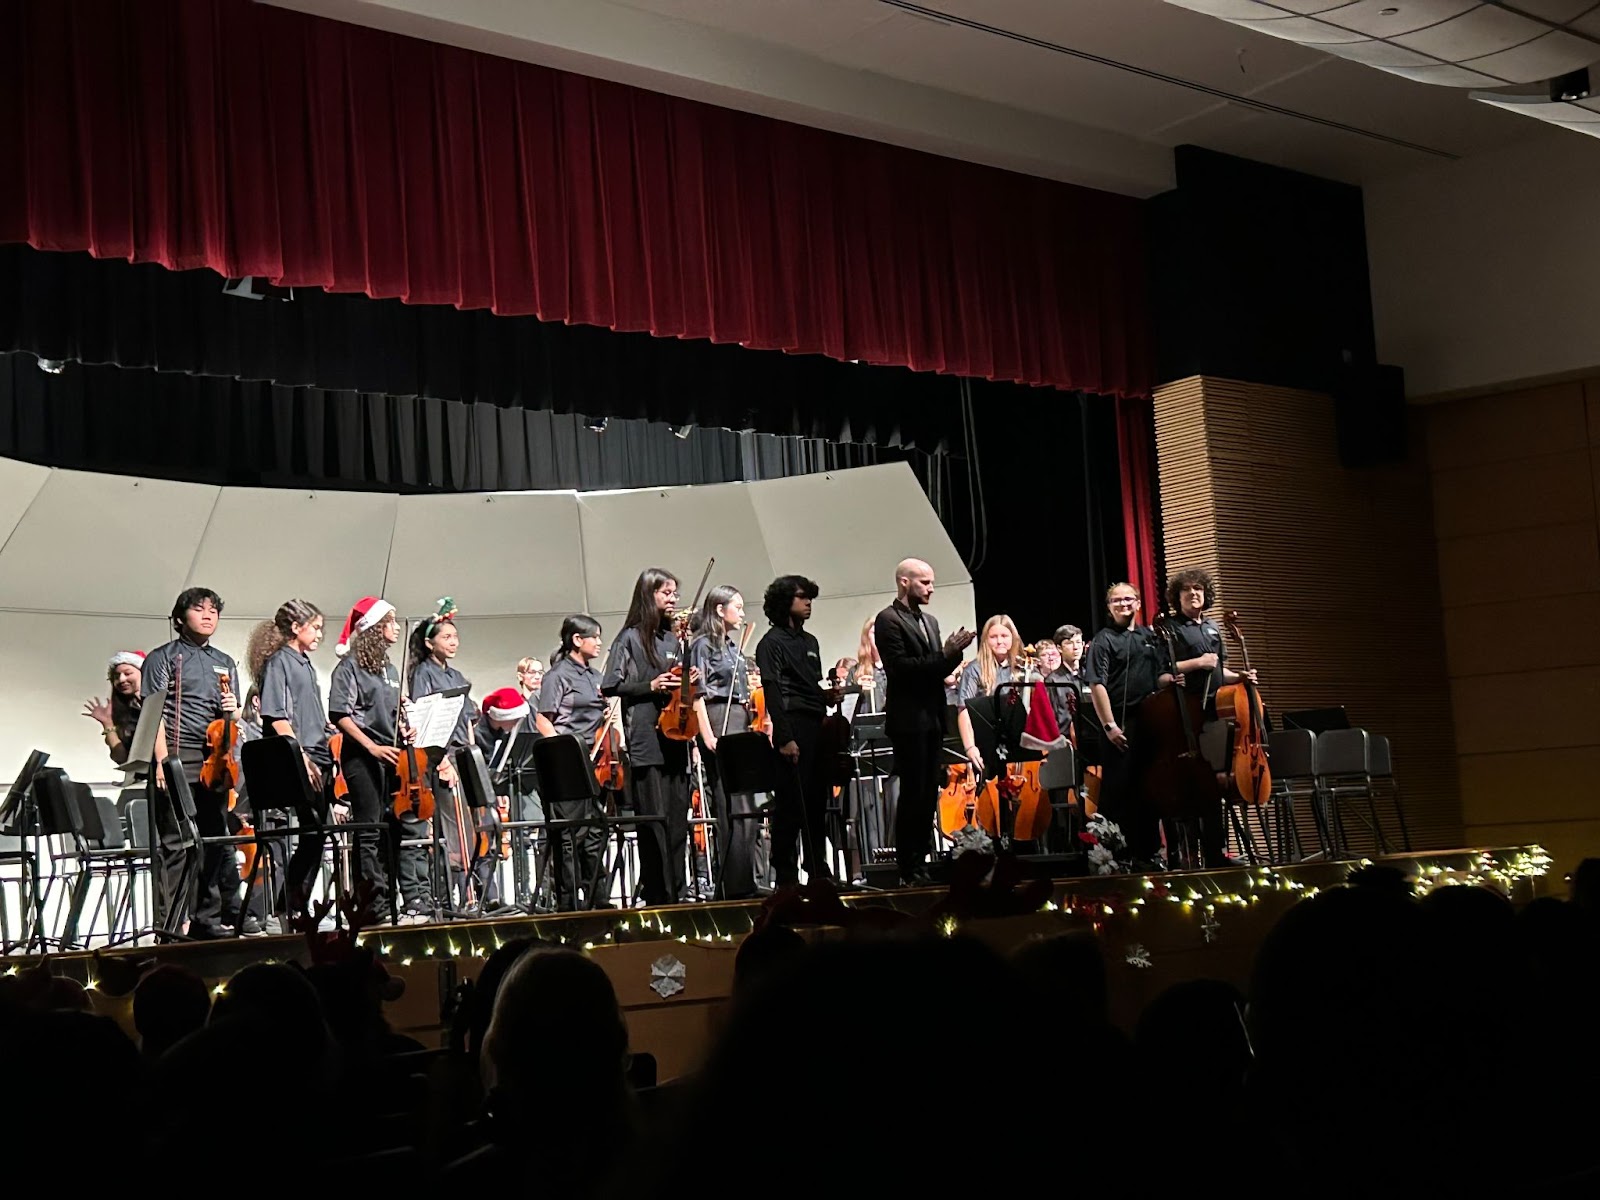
(1516, 491)
(1333, 571)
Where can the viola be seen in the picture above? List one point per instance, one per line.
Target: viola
(607, 753)
(1241, 703)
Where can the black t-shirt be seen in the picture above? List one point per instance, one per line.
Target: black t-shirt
(1191, 639)
(628, 674)
(1127, 663)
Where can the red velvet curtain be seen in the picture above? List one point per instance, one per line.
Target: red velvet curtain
(1136, 451)
(259, 141)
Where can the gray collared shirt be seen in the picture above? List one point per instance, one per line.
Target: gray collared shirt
(197, 701)
(289, 692)
(570, 699)
(367, 697)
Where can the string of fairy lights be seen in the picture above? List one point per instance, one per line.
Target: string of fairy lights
(1113, 906)
(1108, 904)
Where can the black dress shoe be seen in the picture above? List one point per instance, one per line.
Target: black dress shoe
(918, 878)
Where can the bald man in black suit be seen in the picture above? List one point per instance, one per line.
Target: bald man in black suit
(915, 664)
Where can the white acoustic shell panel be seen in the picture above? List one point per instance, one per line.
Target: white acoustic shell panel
(19, 484)
(495, 554)
(849, 529)
(263, 546)
(109, 544)
(91, 563)
(677, 529)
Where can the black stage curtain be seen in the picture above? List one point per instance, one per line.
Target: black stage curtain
(76, 308)
(228, 431)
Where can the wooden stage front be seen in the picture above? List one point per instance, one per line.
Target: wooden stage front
(673, 967)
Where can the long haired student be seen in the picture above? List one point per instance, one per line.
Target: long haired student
(723, 707)
(639, 669)
(279, 656)
(434, 642)
(363, 700)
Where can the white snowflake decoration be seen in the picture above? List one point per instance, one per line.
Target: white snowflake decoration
(1209, 925)
(666, 976)
(1138, 956)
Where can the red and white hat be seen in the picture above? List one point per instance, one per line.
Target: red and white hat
(368, 611)
(126, 658)
(505, 704)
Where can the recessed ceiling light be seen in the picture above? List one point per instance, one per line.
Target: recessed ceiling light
(1388, 12)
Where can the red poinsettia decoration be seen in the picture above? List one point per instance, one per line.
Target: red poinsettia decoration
(1008, 786)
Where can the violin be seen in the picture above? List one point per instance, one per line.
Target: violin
(412, 791)
(341, 785)
(607, 753)
(1241, 703)
(678, 721)
(221, 766)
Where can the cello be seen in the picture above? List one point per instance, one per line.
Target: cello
(1178, 781)
(1241, 703)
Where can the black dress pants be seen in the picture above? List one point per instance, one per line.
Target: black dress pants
(736, 833)
(576, 852)
(371, 786)
(917, 762)
(800, 807)
(1122, 797)
(662, 791)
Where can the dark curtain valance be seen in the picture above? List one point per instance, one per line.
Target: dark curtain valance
(77, 308)
(227, 431)
(258, 141)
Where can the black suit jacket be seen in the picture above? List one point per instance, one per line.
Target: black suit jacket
(915, 668)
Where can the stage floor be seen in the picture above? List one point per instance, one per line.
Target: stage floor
(673, 966)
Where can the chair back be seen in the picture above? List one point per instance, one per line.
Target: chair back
(1379, 764)
(1340, 752)
(1294, 753)
(748, 764)
(276, 770)
(564, 770)
(1059, 770)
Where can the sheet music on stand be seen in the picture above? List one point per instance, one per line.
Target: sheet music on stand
(143, 747)
(433, 718)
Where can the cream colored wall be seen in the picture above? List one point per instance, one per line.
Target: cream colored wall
(1516, 492)
(89, 564)
(1485, 270)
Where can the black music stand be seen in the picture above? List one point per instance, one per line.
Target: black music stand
(872, 758)
(275, 767)
(566, 776)
(516, 778)
(19, 820)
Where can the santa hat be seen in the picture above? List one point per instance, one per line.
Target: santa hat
(126, 658)
(506, 704)
(1041, 732)
(368, 612)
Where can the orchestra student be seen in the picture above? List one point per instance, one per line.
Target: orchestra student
(722, 706)
(119, 715)
(639, 670)
(196, 684)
